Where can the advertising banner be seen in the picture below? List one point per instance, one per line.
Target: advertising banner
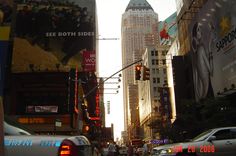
(165, 107)
(5, 21)
(168, 30)
(213, 49)
(52, 32)
(89, 61)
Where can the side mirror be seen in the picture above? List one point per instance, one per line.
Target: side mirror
(211, 138)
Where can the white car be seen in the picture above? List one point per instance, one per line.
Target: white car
(213, 142)
(19, 142)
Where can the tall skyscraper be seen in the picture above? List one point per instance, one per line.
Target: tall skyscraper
(139, 30)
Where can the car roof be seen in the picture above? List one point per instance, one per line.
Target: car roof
(171, 145)
(221, 128)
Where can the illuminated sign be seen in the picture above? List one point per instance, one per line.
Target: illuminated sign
(97, 111)
(50, 143)
(15, 142)
(43, 143)
(94, 118)
(157, 141)
(42, 109)
(43, 120)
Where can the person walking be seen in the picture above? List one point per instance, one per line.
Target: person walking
(111, 149)
(145, 149)
(130, 150)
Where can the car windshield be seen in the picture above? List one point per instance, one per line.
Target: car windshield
(202, 136)
(13, 130)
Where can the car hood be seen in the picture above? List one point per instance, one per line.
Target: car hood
(181, 144)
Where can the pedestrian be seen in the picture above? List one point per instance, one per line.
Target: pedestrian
(111, 149)
(145, 149)
(117, 149)
(130, 150)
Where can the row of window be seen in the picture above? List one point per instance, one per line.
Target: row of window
(155, 53)
(157, 71)
(158, 80)
(156, 62)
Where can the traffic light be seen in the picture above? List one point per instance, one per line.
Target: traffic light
(138, 72)
(146, 73)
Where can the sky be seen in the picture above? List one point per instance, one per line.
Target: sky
(109, 14)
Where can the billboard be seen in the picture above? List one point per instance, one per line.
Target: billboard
(89, 61)
(213, 49)
(47, 33)
(165, 107)
(168, 30)
(5, 22)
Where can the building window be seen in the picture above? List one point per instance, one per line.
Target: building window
(165, 83)
(164, 71)
(165, 99)
(164, 62)
(152, 53)
(157, 62)
(164, 53)
(153, 71)
(158, 80)
(154, 80)
(154, 89)
(153, 62)
(156, 53)
(157, 70)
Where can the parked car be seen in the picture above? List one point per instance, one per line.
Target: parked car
(19, 142)
(213, 142)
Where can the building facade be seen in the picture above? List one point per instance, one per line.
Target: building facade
(186, 10)
(154, 107)
(139, 29)
(51, 52)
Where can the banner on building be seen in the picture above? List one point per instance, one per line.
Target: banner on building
(5, 22)
(108, 107)
(89, 61)
(165, 107)
(52, 32)
(168, 30)
(213, 49)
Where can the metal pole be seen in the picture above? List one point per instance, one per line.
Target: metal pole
(111, 77)
(1, 127)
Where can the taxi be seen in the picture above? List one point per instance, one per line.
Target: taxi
(19, 142)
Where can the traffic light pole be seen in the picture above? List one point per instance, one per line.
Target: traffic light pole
(111, 77)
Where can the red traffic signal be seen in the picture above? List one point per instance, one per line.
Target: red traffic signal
(138, 72)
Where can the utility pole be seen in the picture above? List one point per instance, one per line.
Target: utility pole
(1, 127)
(111, 77)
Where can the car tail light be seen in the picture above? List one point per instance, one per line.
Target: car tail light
(67, 148)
